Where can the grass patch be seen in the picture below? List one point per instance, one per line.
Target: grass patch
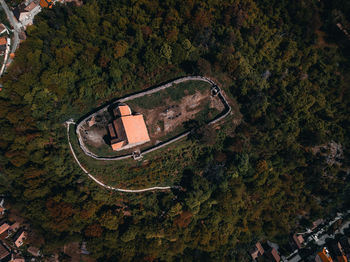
(104, 150)
(177, 92)
(174, 93)
(160, 168)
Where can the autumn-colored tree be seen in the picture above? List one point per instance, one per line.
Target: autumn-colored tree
(111, 220)
(93, 230)
(202, 19)
(120, 48)
(59, 213)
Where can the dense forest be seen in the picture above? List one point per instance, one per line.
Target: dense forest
(286, 63)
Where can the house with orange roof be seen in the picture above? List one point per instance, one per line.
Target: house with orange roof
(316, 223)
(15, 226)
(3, 42)
(4, 227)
(273, 255)
(34, 251)
(299, 240)
(122, 110)
(25, 13)
(17, 258)
(30, 7)
(323, 256)
(19, 238)
(127, 130)
(46, 3)
(91, 121)
(336, 250)
(257, 251)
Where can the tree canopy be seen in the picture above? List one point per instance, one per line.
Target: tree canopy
(248, 179)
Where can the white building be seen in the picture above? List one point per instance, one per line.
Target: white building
(25, 14)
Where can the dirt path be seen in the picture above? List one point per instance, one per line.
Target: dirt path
(68, 123)
(156, 188)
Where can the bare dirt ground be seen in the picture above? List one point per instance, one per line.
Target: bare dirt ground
(94, 136)
(170, 116)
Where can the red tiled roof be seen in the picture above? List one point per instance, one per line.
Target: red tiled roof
(135, 129)
(17, 258)
(128, 129)
(324, 256)
(4, 227)
(118, 145)
(30, 7)
(260, 248)
(20, 238)
(15, 226)
(3, 41)
(34, 251)
(275, 255)
(298, 239)
(91, 121)
(124, 110)
(46, 3)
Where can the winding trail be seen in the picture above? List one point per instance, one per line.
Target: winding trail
(68, 123)
(154, 90)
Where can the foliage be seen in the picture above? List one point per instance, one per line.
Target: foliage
(250, 179)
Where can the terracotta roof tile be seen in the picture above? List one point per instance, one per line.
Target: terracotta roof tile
(20, 239)
(124, 110)
(118, 145)
(298, 239)
(128, 129)
(275, 255)
(4, 227)
(3, 41)
(15, 226)
(31, 6)
(260, 248)
(135, 129)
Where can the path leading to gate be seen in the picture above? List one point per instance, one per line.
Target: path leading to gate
(68, 123)
(149, 92)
